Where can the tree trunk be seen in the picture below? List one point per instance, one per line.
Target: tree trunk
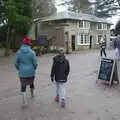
(7, 48)
(12, 41)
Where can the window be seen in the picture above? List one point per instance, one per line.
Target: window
(81, 24)
(86, 24)
(99, 38)
(108, 27)
(81, 39)
(84, 39)
(99, 26)
(105, 26)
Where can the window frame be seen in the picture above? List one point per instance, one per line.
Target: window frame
(84, 25)
(98, 38)
(104, 26)
(85, 39)
(81, 39)
(81, 25)
(108, 27)
(100, 27)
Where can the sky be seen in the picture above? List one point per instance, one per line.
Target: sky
(113, 19)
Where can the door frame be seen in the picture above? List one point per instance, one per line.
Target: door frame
(91, 39)
(73, 46)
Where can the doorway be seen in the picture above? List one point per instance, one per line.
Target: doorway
(73, 43)
(90, 42)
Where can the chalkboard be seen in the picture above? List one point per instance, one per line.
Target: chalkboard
(106, 71)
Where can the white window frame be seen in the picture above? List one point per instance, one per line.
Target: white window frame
(81, 21)
(85, 24)
(98, 26)
(81, 39)
(98, 39)
(86, 40)
(104, 26)
(108, 27)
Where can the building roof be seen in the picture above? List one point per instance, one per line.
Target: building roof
(75, 16)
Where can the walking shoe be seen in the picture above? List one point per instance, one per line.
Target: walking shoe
(63, 103)
(24, 99)
(56, 98)
(24, 104)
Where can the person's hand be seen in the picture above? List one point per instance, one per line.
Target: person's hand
(52, 80)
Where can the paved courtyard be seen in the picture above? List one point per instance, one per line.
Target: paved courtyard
(86, 100)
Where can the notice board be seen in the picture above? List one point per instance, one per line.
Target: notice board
(107, 70)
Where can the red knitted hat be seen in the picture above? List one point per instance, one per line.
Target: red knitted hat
(27, 40)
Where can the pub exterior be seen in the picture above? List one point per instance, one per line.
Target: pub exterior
(74, 31)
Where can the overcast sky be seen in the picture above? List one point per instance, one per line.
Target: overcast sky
(114, 19)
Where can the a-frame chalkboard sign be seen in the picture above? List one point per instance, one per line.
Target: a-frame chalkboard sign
(108, 71)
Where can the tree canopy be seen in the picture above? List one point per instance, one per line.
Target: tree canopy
(106, 8)
(42, 8)
(117, 28)
(100, 8)
(18, 14)
(2, 12)
(77, 5)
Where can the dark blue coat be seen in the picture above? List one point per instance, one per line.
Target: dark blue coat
(60, 69)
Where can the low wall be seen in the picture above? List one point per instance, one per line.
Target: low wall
(83, 47)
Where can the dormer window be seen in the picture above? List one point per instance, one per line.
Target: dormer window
(81, 24)
(84, 24)
(108, 27)
(105, 26)
(99, 26)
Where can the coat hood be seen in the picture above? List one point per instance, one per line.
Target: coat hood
(60, 58)
(25, 49)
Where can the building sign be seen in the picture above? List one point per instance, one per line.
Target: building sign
(42, 39)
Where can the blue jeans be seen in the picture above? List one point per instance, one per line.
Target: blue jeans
(61, 90)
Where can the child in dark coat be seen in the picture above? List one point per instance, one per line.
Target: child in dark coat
(59, 73)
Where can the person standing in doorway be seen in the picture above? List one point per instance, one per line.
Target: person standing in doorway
(26, 64)
(59, 72)
(103, 46)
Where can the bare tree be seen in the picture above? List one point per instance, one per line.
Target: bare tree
(106, 8)
(77, 5)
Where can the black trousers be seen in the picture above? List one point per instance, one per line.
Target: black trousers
(103, 51)
(26, 81)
